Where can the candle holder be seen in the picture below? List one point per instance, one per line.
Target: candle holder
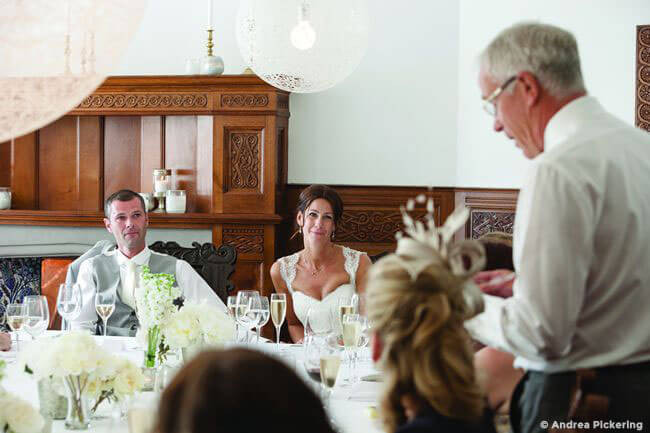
(160, 197)
(211, 65)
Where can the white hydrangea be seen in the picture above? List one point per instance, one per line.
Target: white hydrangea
(118, 375)
(194, 323)
(19, 415)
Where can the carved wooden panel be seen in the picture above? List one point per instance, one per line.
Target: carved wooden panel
(643, 77)
(482, 222)
(244, 100)
(372, 226)
(244, 161)
(145, 100)
(246, 240)
(283, 102)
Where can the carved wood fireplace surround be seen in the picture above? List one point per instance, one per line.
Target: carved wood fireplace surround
(225, 139)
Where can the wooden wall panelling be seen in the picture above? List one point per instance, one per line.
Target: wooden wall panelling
(643, 77)
(24, 171)
(181, 154)
(490, 210)
(5, 163)
(205, 164)
(241, 143)
(90, 173)
(122, 157)
(152, 150)
(57, 165)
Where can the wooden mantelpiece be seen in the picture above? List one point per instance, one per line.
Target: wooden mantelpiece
(225, 139)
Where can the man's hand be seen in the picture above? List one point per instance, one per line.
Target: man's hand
(496, 283)
(5, 341)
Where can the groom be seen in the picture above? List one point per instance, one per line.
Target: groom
(118, 270)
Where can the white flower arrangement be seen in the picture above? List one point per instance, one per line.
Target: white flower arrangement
(196, 324)
(116, 378)
(17, 415)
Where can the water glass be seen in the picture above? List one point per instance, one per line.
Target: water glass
(231, 303)
(68, 303)
(264, 313)
(247, 310)
(37, 315)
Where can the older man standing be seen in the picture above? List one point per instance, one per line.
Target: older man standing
(581, 244)
(117, 270)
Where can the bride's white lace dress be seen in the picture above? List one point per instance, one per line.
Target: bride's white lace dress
(323, 311)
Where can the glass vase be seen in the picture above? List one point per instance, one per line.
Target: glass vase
(78, 417)
(52, 398)
(153, 338)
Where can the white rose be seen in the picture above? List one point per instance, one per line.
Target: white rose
(21, 416)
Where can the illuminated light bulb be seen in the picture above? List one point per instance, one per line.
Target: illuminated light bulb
(303, 35)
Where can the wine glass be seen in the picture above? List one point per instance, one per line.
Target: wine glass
(351, 338)
(37, 315)
(231, 303)
(15, 319)
(278, 313)
(263, 319)
(105, 305)
(68, 303)
(247, 311)
(330, 363)
(347, 305)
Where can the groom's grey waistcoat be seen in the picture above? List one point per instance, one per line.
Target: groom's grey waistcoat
(106, 275)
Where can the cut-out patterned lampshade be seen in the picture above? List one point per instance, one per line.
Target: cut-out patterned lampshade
(54, 53)
(303, 46)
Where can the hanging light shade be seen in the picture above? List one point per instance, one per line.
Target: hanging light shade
(54, 53)
(302, 46)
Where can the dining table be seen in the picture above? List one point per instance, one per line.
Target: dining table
(351, 408)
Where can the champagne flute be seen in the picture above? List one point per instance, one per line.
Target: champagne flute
(37, 315)
(231, 303)
(264, 312)
(351, 339)
(330, 363)
(105, 305)
(15, 319)
(347, 305)
(68, 303)
(278, 313)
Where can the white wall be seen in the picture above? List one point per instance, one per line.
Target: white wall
(605, 31)
(392, 122)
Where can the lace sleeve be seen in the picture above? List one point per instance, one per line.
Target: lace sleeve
(352, 264)
(288, 269)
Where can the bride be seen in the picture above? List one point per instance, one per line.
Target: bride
(320, 274)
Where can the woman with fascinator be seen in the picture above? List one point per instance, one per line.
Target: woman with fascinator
(320, 274)
(417, 301)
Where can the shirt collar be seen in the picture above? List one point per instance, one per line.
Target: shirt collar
(142, 258)
(569, 120)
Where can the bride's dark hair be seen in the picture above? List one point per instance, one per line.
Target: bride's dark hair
(314, 192)
(239, 390)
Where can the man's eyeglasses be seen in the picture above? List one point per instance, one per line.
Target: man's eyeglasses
(489, 103)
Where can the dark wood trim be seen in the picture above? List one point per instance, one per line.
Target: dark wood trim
(642, 107)
(490, 210)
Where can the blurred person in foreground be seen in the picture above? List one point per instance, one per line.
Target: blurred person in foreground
(5, 341)
(417, 301)
(577, 316)
(239, 391)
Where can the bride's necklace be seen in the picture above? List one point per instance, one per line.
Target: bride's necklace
(316, 269)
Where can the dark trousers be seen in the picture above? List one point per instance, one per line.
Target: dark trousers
(541, 398)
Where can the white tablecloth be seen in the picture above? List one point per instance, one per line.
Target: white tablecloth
(349, 405)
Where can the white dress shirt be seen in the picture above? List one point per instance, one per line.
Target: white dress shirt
(195, 289)
(581, 249)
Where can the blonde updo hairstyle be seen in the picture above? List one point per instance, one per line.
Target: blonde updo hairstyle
(426, 352)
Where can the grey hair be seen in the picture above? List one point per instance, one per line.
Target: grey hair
(548, 52)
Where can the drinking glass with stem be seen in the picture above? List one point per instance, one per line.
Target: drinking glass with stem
(231, 303)
(68, 303)
(352, 328)
(15, 319)
(278, 313)
(330, 363)
(37, 315)
(105, 305)
(264, 313)
(347, 305)
(247, 311)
